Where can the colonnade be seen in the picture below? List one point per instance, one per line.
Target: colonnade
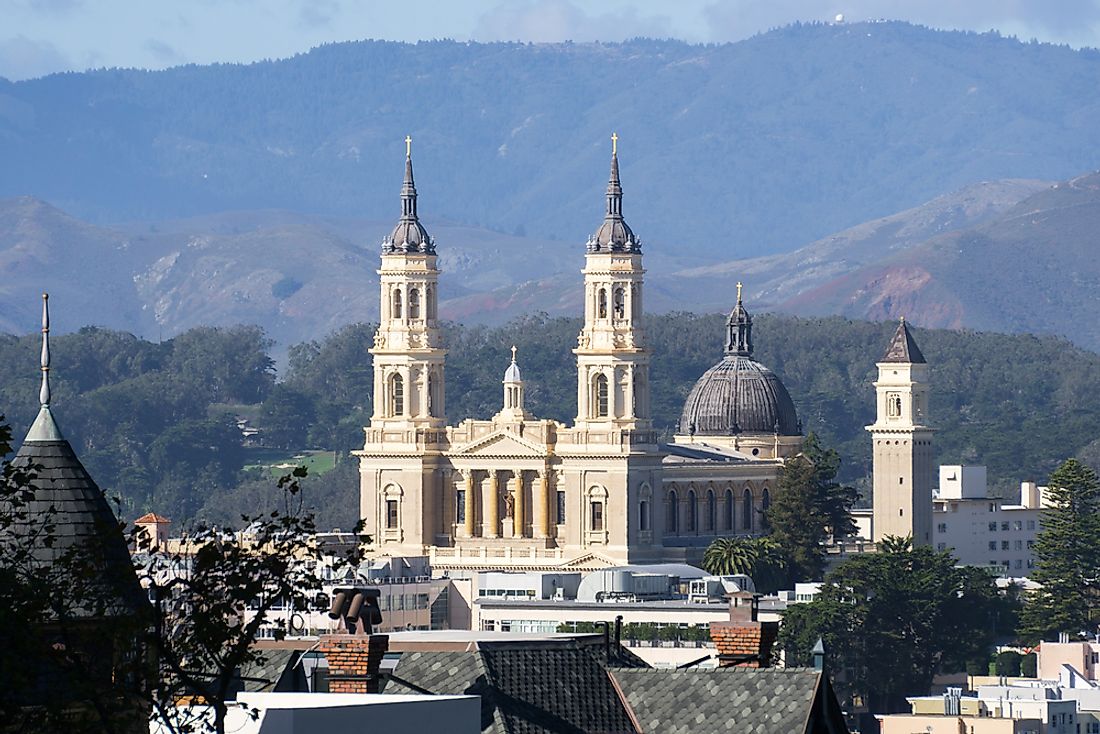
(513, 488)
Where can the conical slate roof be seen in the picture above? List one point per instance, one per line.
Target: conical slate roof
(83, 525)
(903, 348)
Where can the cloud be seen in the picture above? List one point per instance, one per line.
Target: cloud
(1066, 20)
(545, 21)
(164, 54)
(318, 13)
(26, 58)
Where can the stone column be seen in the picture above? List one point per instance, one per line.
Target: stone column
(520, 509)
(490, 507)
(540, 512)
(468, 526)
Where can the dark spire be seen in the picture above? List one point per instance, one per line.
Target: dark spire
(739, 329)
(903, 348)
(409, 235)
(614, 235)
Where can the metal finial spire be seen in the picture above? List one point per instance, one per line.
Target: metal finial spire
(739, 286)
(514, 354)
(44, 392)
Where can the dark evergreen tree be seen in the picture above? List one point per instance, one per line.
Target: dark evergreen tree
(1068, 552)
(808, 507)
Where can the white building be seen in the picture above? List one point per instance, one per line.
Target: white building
(984, 531)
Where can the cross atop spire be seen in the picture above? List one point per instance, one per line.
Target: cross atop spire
(614, 235)
(409, 235)
(408, 146)
(514, 354)
(739, 286)
(614, 143)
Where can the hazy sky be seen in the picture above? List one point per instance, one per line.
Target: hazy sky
(41, 36)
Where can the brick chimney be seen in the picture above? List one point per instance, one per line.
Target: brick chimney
(353, 661)
(744, 641)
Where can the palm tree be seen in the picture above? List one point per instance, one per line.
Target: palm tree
(761, 559)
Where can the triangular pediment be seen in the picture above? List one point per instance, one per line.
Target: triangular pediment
(501, 443)
(589, 561)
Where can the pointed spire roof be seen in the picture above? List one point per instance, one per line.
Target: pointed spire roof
(903, 347)
(739, 329)
(45, 427)
(409, 235)
(67, 497)
(614, 235)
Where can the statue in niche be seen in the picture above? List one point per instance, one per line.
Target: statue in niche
(509, 504)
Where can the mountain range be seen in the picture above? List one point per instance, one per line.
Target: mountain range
(727, 150)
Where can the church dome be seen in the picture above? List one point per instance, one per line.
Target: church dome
(739, 395)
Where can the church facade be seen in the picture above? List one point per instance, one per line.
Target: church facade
(515, 491)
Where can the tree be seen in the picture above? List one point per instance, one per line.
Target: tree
(1068, 552)
(808, 507)
(761, 559)
(891, 620)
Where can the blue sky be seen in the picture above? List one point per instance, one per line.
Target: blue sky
(42, 36)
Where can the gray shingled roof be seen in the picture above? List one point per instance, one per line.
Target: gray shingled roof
(739, 395)
(772, 701)
(903, 348)
(83, 526)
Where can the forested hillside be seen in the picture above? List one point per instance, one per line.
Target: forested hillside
(730, 150)
(156, 423)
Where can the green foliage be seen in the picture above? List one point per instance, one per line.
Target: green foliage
(807, 507)
(1008, 663)
(1068, 552)
(761, 559)
(1029, 665)
(891, 620)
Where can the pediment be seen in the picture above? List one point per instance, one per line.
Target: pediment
(589, 562)
(502, 443)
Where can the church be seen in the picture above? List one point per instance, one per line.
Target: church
(515, 491)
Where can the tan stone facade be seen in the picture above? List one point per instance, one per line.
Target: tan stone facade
(514, 491)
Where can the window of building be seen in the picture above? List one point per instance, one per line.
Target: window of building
(460, 506)
(729, 510)
(992, 507)
(672, 519)
(1004, 545)
(596, 513)
(391, 514)
(643, 515)
(619, 303)
(712, 511)
(601, 396)
(1031, 563)
(692, 512)
(1017, 525)
(992, 545)
(1019, 563)
(1004, 525)
(397, 304)
(893, 405)
(429, 302)
(941, 546)
(1019, 545)
(941, 528)
(746, 510)
(765, 503)
(1031, 526)
(414, 304)
(397, 395)
(1030, 544)
(561, 507)
(601, 304)
(992, 527)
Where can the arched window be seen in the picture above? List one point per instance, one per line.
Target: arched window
(746, 510)
(431, 396)
(672, 519)
(414, 304)
(429, 302)
(712, 511)
(601, 304)
(729, 510)
(397, 395)
(620, 302)
(643, 515)
(397, 303)
(765, 503)
(693, 512)
(601, 396)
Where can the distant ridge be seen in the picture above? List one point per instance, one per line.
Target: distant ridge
(727, 151)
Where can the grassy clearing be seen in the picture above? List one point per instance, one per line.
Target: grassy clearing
(280, 461)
